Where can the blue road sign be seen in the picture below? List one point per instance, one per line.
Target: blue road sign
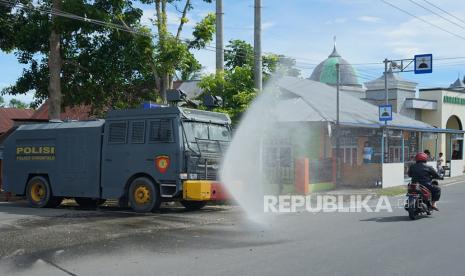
(423, 64)
(385, 113)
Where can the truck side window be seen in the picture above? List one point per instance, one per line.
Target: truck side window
(138, 132)
(161, 130)
(117, 133)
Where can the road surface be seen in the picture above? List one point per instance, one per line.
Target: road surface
(221, 241)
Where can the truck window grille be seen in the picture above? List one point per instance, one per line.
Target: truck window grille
(117, 133)
(161, 131)
(138, 133)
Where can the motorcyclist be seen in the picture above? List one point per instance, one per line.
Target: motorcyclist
(422, 173)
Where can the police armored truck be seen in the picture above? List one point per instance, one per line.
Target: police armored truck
(138, 156)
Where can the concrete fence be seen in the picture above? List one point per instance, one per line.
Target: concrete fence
(393, 174)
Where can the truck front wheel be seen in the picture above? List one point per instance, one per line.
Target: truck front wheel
(39, 193)
(143, 195)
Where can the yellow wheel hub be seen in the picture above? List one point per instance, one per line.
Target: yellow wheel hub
(37, 191)
(142, 194)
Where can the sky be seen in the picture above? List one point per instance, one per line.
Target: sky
(367, 31)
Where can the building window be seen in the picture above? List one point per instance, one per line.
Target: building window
(348, 155)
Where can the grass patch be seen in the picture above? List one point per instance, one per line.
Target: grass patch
(393, 191)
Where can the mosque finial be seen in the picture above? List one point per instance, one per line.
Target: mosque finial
(334, 53)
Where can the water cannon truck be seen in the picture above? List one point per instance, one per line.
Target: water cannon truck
(141, 157)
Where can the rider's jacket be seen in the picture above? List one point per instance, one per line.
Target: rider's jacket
(421, 173)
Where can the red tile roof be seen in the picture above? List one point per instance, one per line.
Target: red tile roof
(81, 112)
(8, 114)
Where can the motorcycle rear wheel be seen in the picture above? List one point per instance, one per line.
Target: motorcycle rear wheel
(412, 213)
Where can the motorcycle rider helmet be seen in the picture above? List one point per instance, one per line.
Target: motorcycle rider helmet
(421, 157)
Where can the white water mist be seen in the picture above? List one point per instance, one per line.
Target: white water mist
(242, 170)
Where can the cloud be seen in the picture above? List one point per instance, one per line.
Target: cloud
(415, 36)
(268, 25)
(369, 19)
(339, 20)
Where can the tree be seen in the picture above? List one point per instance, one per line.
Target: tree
(238, 54)
(73, 61)
(2, 102)
(55, 65)
(172, 52)
(235, 85)
(14, 103)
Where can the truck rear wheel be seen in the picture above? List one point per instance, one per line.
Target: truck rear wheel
(193, 205)
(143, 195)
(39, 193)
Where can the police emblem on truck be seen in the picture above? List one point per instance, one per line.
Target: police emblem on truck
(35, 153)
(162, 162)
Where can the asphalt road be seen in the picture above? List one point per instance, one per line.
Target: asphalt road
(221, 241)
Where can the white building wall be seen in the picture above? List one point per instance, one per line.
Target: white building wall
(393, 174)
(439, 118)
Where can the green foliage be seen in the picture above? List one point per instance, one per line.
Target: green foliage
(238, 54)
(14, 103)
(235, 87)
(189, 69)
(2, 102)
(236, 84)
(203, 32)
(102, 66)
(173, 54)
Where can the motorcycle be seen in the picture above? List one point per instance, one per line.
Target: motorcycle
(419, 200)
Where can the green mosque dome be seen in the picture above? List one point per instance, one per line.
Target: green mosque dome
(325, 72)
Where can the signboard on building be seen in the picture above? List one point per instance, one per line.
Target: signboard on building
(454, 100)
(385, 113)
(423, 64)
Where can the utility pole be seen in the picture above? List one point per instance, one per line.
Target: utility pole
(385, 146)
(258, 46)
(386, 90)
(219, 36)
(338, 142)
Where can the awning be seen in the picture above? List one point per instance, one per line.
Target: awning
(378, 126)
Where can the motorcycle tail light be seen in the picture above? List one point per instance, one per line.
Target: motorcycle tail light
(413, 187)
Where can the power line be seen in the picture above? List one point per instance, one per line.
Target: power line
(68, 15)
(130, 30)
(437, 14)
(423, 20)
(449, 58)
(298, 60)
(444, 11)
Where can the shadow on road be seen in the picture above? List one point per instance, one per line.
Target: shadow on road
(75, 211)
(392, 219)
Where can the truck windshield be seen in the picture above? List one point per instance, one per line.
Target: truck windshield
(205, 131)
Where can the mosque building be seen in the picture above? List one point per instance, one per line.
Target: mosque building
(441, 107)
(369, 150)
(349, 146)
